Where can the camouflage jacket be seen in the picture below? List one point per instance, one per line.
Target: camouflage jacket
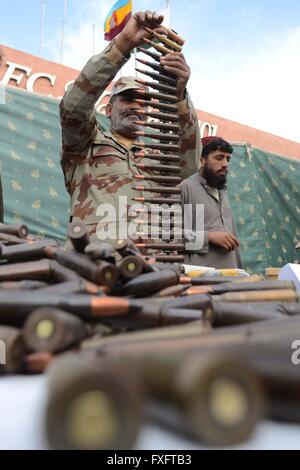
(97, 168)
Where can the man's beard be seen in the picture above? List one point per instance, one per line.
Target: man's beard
(123, 124)
(214, 180)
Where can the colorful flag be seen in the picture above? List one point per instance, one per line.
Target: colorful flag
(117, 18)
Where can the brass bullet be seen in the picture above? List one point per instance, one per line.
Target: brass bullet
(161, 116)
(162, 168)
(158, 96)
(161, 158)
(173, 35)
(158, 68)
(151, 54)
(158, 105)
(169, 259)
(162, 246)
(130, 266)
(20, 230)
(158, 86)
(159, 136)
(158, 200)
(168, 42)
(78, 235)
(158, 47)
(166, 147)
(159, 125)
(158, 189)
(160, 179)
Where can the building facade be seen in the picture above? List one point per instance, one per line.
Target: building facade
(38, 75)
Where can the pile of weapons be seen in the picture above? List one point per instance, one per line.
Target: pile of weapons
(165, 171)
(220, 361)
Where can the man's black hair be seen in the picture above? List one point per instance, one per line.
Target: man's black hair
(216, 144)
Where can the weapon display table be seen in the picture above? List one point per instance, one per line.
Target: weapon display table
(22, 407)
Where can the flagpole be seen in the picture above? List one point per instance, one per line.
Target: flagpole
(64, 23)
(42, 27)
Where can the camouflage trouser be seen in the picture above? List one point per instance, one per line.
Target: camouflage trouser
(1, 203)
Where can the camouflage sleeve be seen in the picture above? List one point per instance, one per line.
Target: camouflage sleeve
(190, 141)
(77, 108)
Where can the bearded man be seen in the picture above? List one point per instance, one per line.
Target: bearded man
(220, 244)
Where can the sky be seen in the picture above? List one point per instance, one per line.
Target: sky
(244, 55)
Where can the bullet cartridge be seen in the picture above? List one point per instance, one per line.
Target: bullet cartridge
(26, 252)
(151, 54)
(281, 295)
(102, 273)
(160, 77)
(162, 116)
(87, 307)
(92, 404)
(7, 239)
(165, 40)
(228, 314)
(162, 168)
(214, 397)
(168, 258)
(130, 266)
(160, 136)
(158, 47)
(147, 284)
(22, 285)
(173, 108)
(170, 33)
(20, 230)
(158, 189)
(53, 330)
(78, 235)
(159, 125)
(159, 179)
(158, 96)
(162, 246)
(158, 86)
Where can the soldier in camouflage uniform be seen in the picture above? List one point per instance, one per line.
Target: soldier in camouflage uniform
(98, 165)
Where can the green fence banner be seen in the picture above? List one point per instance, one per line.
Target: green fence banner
(264, 188)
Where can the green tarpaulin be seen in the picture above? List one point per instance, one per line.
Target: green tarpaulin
(264, 188)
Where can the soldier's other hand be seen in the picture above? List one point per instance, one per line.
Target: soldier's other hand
(175, 64)
(225, 240)
(134, 32)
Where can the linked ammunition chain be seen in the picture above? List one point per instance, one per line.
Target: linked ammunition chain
(161, 237)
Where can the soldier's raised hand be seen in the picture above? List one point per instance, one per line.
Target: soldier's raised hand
(134, 32)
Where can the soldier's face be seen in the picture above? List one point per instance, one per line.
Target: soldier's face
(215, 168)
(122, 113)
